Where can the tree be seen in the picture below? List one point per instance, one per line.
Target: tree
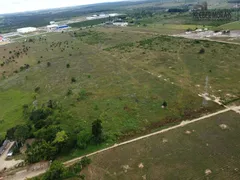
(97, 131)
(56, 171)
(83, 139)
(60, 139)
(48, 134)
(21, 133)
(10, 133)
(68, 65)
(73, 80)
(41, 150)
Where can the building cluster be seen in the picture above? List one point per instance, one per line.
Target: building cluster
(102, 16)
(118, 22)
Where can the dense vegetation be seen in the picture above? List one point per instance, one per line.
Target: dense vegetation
(59, 172)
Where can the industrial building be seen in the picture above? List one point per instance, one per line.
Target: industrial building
(52, 27)
(26, 30)
(102, 16)
(55, 27)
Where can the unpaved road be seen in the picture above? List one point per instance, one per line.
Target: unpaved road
(7, 163)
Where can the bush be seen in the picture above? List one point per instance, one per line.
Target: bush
(202, 51)
(57, 171)
(73, 80)
(85, 161)
(83, 138)
(164, 104)
(68, 65)
(37, 89)
(48, 64)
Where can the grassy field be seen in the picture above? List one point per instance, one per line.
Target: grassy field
(183, 153)
(231, 26)
(126, 73)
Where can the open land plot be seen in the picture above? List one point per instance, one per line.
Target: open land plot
(207, 149)
(124, 75)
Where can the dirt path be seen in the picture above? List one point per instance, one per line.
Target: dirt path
(8, 163)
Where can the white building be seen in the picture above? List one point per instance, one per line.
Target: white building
(52, 27)
(26, 30)
(52, 22)
(123, 24)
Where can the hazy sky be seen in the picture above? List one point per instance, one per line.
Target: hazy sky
(9, 6)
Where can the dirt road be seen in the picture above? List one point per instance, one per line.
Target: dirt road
(7, 163)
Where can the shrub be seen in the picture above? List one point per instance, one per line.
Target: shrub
(68, 65)
(56, 171)
(37, 89)
(83, 138)
(85, 161)
(73, 80)
(48, 64)
(164, 104)
(202, 51)
(97, 131)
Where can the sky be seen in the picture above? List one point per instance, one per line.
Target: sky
(11, 6)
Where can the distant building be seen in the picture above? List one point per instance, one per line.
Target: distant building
(122, 24)
(101, 16)
(26, 30)
(55, 27)
(52, 27)
(52, 22)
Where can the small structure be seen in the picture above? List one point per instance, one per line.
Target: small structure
(4, 146)
(122, 24)
(26, 30)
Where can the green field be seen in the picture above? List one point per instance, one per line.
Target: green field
(183, 153)
(126, 74)
(231, 26)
